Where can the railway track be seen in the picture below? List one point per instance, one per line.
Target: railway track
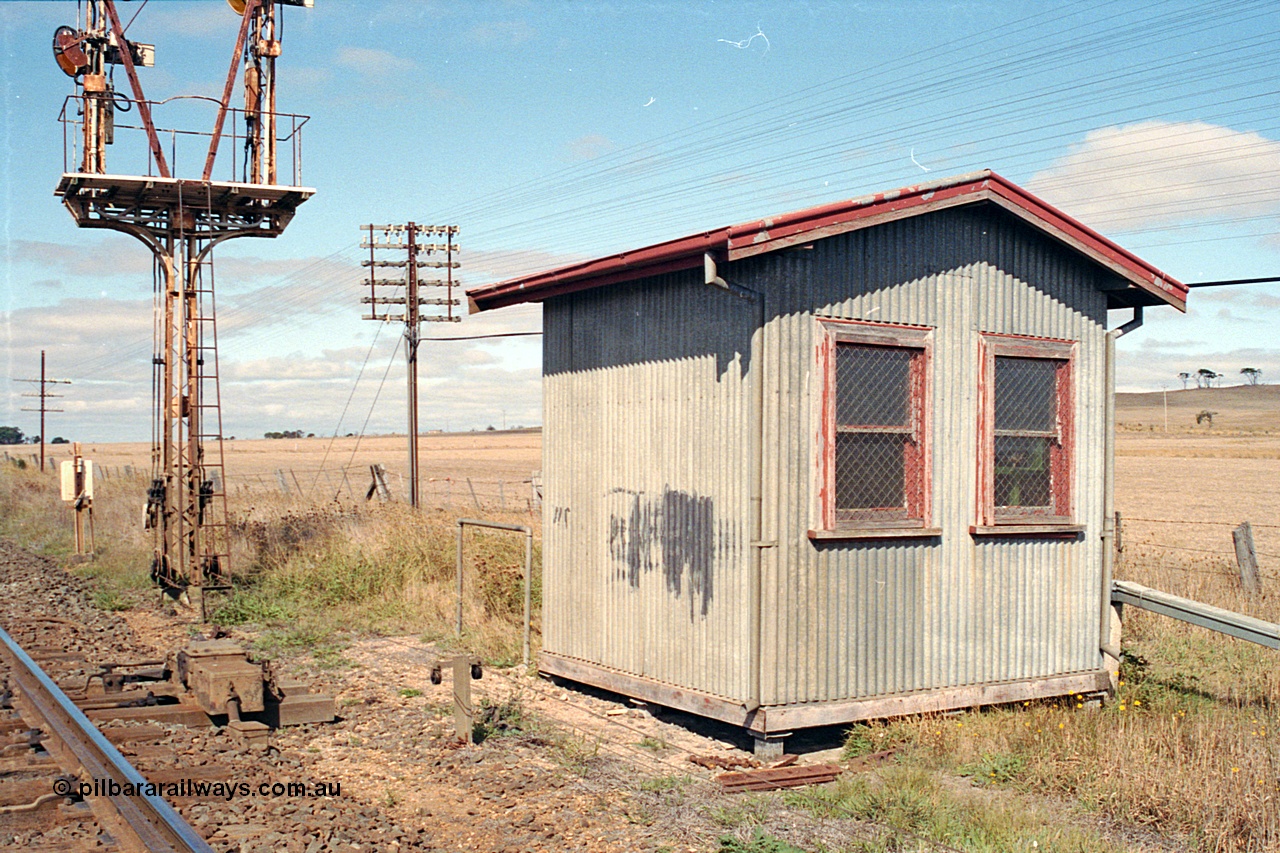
(134, 820)
(242, 794)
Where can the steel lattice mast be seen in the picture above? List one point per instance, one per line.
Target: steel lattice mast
(180, 221)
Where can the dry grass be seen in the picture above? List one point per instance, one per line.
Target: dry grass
(1239, 409)
(305, 576)
(1190, 746)
(382, 569)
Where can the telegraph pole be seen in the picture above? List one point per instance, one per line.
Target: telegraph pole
(405, 238)
(44, 381)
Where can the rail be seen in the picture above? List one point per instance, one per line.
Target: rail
(1197, 613)
(149, 823)
(528, 570)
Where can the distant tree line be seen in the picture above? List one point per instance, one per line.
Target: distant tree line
(13, 435)
(289, 433)
(1205, 378)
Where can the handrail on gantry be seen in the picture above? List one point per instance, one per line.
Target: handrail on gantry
(155, 824)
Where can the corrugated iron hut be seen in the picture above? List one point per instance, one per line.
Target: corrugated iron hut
(840, 464)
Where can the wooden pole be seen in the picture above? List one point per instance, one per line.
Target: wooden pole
(463, 711)
(1246, 557)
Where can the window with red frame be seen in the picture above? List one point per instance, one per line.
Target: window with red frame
(1028, 434)
(875, 450)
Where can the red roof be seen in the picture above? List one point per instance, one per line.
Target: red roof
(1148, 285)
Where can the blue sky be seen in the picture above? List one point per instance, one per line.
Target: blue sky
(550, 131)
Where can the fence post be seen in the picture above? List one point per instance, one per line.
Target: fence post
(1246, 557)
(528, 589)
(474, 499)
(458, 627)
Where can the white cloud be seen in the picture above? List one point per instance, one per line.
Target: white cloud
(1158, 172)
(105, 347)
(372, 62)
(381, 77)
(500, 34)
(590, 146)
(1148, 368)
(500, 264)
(112, 255)
(199, 20)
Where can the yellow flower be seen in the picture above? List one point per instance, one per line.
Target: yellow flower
(1137, 702)
(1062, 725)
(1121, 706)
(1235, 769)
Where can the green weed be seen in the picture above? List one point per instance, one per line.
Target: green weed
(760, 842)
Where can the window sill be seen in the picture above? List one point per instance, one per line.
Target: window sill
(876, 533)
(1050, 530)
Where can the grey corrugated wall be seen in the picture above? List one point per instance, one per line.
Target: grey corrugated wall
(861, 619)
(646, 419)
(646, 481)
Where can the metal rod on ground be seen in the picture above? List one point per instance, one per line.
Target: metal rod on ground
(474, 499)
(1197, 613)
(1246, 557)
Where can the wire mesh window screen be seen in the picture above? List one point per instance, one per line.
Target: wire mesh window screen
(876, 431)
(1026, 432)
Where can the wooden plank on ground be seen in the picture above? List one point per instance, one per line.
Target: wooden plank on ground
(772, 778)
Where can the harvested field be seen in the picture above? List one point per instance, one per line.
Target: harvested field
(358, 598)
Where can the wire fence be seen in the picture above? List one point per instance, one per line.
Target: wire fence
(342, 483)
(1144, 544)
(1203, 551)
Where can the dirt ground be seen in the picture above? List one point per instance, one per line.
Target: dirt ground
(569, 768)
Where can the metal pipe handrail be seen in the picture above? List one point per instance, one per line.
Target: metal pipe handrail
(156, 824)
(289, 127)
(1227, 622)
(528, 571)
